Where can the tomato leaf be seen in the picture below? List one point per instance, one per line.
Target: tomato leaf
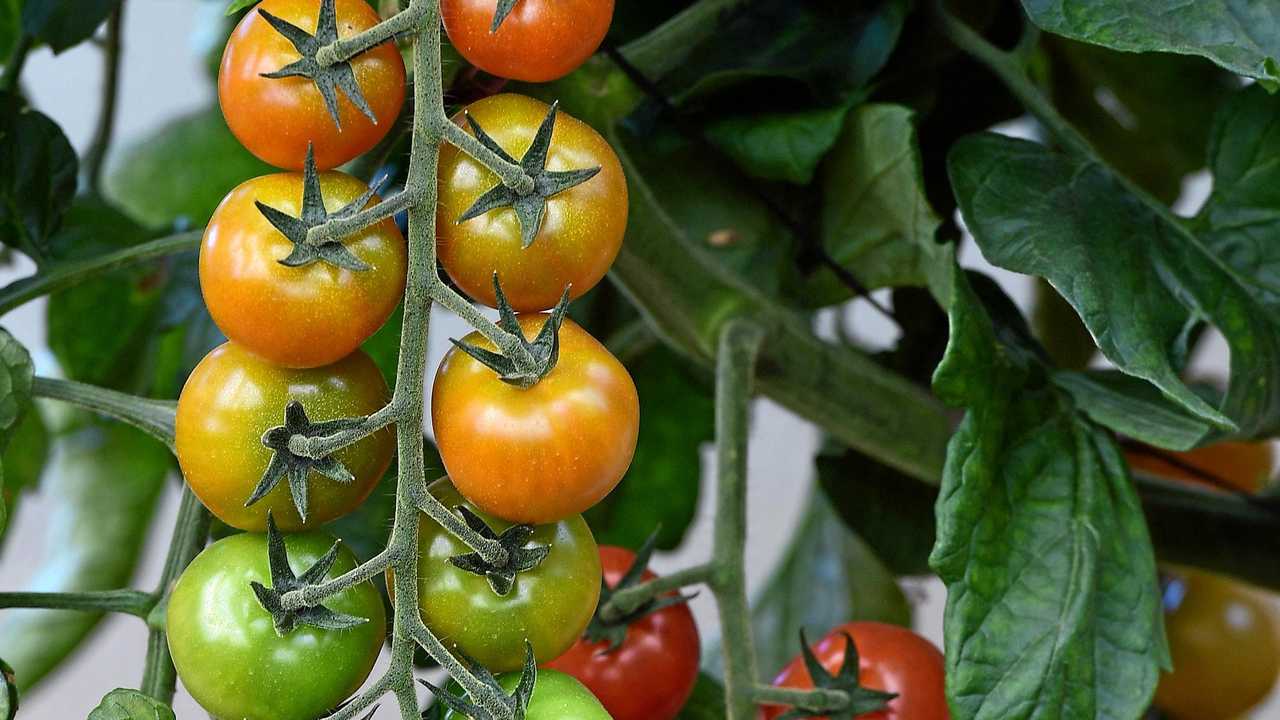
(1240, 35)
(10, 26)
(37, 176)
(236, 6)
(1132, 407)
(784, 146)
(125, 704)
(1051, 579)
(8, 692)
(706, 702)
(22, 461)
(16, 373)
(62, 24)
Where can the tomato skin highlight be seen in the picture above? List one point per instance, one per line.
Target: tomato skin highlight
(652, 673)
(303, 316)
(891, 658)
(540, 41)
(549, 605)
(1244, 466)
(580, 234)
(556, 696)
(1223, 642)
(233, 397)
(544, 453)
(226, 649)
(276, 118)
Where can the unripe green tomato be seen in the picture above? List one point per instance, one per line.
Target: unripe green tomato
(556, 696)
(226, 649)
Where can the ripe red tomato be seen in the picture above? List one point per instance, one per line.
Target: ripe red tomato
(651, 674)
(580, 234)
(544, 453)
(540, 40)
(276, 118)
(304, 316)
(233, 397)
(1223, 642)
(1244, 466)
(891, 659)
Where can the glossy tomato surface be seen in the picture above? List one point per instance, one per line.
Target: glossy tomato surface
(556, 696)
(226, 649)
(1224, 647)
(890, 658)
(276, 118)
(304, 316)
(540, 40)
(581, 231)
(544, 453)
(1241, 466)
(549, 605)
(233, 397)
(651, 674)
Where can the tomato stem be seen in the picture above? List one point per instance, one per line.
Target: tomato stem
(511, 174)
(129, 602)
(626, 601)
(155, 417)
(338, 228)
(821, 699)
(344, 49)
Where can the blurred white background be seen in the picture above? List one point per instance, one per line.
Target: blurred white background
(161, 79)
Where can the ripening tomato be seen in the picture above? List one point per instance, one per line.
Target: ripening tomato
(304, 316)
(233, 397)
(651, 674)
(226, 649)
(1223, 642)
(581, 232)
(556, 696)
(276, 118)
(540, 40)
(1244, 466)
(544, 453)
(549, 606)
(891, 659)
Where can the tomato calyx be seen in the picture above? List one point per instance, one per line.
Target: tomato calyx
(862, 700)
(329, 79)
(611, 628)
(313, 214)
(286, 462)
(519, 558)
(544, 350)
(492, 707)
(283, 580)
(501, 12)
(531, 207)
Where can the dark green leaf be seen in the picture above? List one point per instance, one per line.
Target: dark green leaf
(10, 26)
(236, 6)
(1242, 36)
(8, 692)
(660, 490)
(22, 461)
(783, 146)
(1059, 329)
(1132, 407)
(37, 176)
(16, 373)
(178, 174)
(1052, 599)
(125, 704)
(104, 487)
(706, 702)
(1139, 279)
(64, 23)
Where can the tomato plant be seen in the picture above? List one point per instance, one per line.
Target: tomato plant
(279, 118)
(236, 664)
(319, 312)
(557, 696)
(233, 397)
(580, 233)
(650, 674)
(539, 40)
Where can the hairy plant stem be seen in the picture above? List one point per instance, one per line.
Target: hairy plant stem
(512, 175)
(129, 602)
(342, 227)
(323, 446)
(155, 417)
(816, 699)
(97, 153)
(414, 17)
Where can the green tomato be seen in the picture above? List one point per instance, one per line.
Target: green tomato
(549, 605)
(556, 696)
(226, 649)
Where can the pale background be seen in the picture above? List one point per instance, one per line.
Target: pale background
(161, 79)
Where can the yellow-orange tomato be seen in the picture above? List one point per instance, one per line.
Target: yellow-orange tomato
(540, 454)
(540, 40)
(1223, 642)
(580, 234)
(296, 316)
(1243, 466)
(276, 118)
(233, 397)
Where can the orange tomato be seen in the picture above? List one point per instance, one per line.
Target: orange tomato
(540, 40)
(1245, 466)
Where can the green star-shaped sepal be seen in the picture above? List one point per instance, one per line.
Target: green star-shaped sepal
(532, 207)
(283, 580)
(614, 630)
(313, 214)
(517, 702)
(545, 348)
(861, 700)
(501, 12)
(329, 80)
(285, 463)
(519, 558)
